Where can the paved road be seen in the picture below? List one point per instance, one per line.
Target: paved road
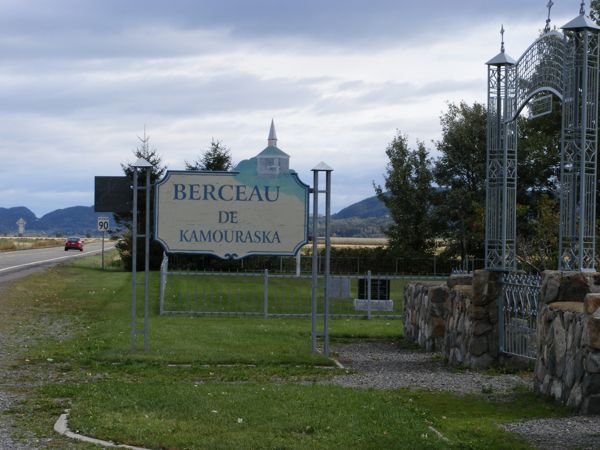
(17, 264)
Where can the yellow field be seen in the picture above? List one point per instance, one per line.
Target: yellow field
(10, 243)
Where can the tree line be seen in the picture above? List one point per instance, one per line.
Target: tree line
(438, 204)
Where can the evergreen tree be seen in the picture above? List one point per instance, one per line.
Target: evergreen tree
(146, 151)
(217, 157)
(408, 194)
(460, 174)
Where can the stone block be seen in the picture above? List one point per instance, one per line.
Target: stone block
(493, 315)
(550, 286)
(459, 280)
(560, 345)
(480, 281)
(591, 405)
(573, 287)
(545, 388)
(458, 356)
(550, 360)
(591, 384)
(591, 303)
(563, 307)
(592, 338)
(592, 362)
(478, 345)
(575, 397)
(480, 327)
(579, 369)
(486, 287)
(437, 294)
(569, 371)
(481, 362)
(556, 389)
(477, 312)
(540, 371)
(438, 327)
(594, 282)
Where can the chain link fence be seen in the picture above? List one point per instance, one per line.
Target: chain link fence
(277, 294)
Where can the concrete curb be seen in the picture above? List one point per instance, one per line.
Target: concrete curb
(61, 426)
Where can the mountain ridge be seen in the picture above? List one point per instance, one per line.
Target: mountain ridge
(81, 220)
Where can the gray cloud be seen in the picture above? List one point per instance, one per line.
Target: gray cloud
(116, 28)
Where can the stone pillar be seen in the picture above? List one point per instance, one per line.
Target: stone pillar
(591, 382)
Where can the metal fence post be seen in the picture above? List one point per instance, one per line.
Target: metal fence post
(369, 294)
(298, 263)
(147, 260)
(500, 301)
(266, 299)
(327, 261)
(315, 262)
(134, 238)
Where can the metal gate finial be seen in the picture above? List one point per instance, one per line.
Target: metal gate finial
(502, 33)
(549, 6)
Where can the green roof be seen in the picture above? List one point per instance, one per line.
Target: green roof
(273, 151)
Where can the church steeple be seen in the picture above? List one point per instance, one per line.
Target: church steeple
(272, 140)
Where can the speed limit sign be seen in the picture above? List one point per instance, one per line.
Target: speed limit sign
(103, 224)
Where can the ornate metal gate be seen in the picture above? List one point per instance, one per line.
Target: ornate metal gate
(566, 65)
(518, 315)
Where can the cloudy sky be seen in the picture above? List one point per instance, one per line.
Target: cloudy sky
(80, 79)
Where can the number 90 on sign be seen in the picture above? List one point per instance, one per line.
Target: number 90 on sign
(103, 224)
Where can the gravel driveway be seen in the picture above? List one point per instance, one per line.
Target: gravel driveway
(386, 365)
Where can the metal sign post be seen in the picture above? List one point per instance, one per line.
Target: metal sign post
(140, 164)
(103, 225)
(321, 167)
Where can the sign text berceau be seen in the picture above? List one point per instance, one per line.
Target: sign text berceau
(231, 215)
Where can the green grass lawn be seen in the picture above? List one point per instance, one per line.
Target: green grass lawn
(209, 382)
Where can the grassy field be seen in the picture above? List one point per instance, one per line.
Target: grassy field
(215, 382)
(15, 243)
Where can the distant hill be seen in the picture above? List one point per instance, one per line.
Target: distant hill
(9, 217)
(369, 207)
(79, 220)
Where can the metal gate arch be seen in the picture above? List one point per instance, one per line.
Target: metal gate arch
(565, 64)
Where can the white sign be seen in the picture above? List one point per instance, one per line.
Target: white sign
(21, 224)
(232, 214)
(103, 224)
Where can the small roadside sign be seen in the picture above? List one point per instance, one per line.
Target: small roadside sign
(103, 224)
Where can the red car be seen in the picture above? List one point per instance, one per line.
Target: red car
(74, 243)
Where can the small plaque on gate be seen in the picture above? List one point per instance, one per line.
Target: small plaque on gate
(540, 106)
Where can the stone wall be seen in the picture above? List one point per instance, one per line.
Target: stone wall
(459, 318)
(472, 323)
(425, 312)
(568, 344)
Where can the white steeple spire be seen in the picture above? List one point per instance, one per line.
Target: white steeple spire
(272, 140)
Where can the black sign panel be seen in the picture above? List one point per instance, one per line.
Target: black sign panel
(113, 194)
(380, 288)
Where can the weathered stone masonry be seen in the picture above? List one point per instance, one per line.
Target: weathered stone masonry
(460, 319)
(568, 340)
